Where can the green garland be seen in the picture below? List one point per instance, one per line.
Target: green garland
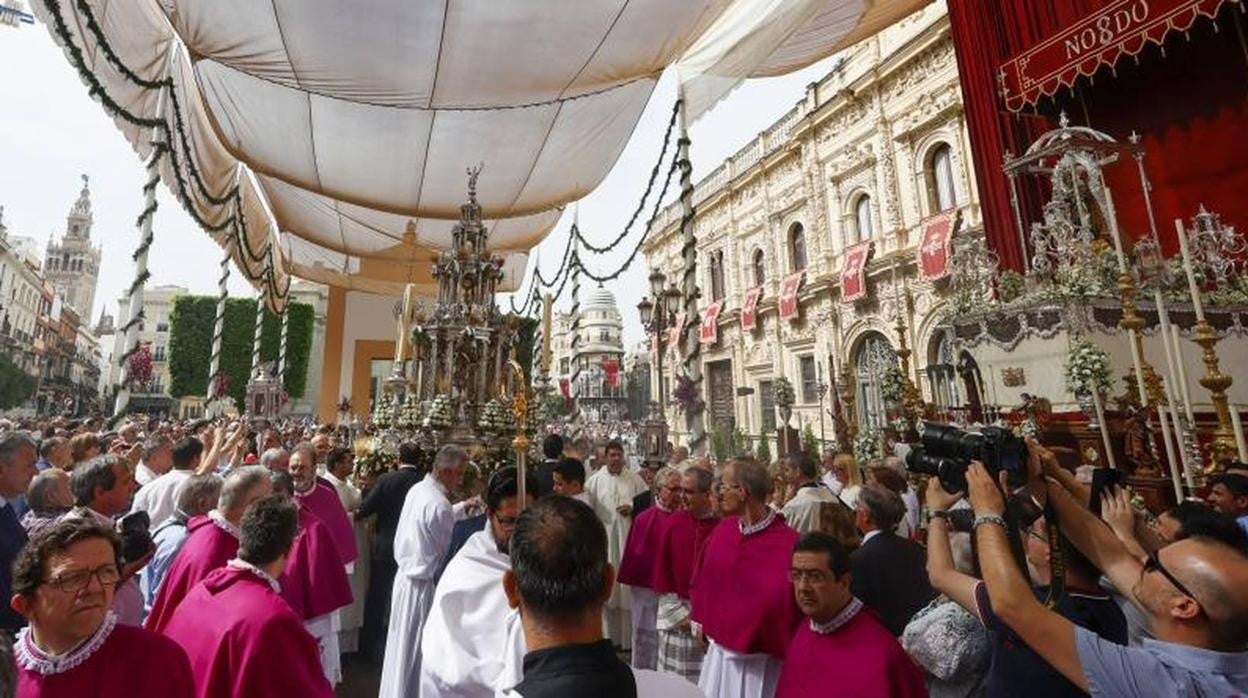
(190, 344)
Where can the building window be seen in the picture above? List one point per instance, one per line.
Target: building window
(767, 405)
(797, 247)
(162, 327)
(940, 178)
(941, 371)
(874, 355)
(810, 378)
(760, 270)
(862, 218)
(717, 276)
(563, 366)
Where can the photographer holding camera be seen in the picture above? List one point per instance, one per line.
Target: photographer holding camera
(1194, 591)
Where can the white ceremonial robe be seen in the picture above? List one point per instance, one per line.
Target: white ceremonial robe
(473, 644)
(609, 492)
(351, 618)
(420, 543)
(802, 512)
(728, 674)
(324, 629)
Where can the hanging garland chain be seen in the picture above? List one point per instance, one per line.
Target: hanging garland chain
(97, 91)
(642, 240)
(654, 175)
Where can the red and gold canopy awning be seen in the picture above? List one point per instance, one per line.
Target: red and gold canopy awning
(1101, 39)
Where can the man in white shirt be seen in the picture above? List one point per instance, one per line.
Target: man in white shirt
(159, 498)
(157, 459)
(829, 478)
(423, 537)
(569, 480)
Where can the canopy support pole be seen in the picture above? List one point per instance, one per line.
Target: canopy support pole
(134, 312)
(577, 418)
(218, 328)
(695, 423)
(255, 342)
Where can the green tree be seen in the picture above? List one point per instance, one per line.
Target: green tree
(15, 386)
(764, 447)
(810, 443)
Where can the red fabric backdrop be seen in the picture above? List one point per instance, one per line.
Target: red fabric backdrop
(1188, 101)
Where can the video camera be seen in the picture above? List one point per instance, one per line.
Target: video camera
(946, 451)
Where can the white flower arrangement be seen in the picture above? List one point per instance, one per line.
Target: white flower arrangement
(1029, 427)
(867, 446)
(495, 418)
(383, 412)
(1088, 368)
(783, 391)
(441, 413)
(893, 384)
(410, 415)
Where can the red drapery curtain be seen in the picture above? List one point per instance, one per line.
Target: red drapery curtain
(1189, 102)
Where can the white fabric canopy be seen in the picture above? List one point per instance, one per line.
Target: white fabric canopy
(347, 124)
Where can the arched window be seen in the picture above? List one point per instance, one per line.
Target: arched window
(941, 371)
(760, 269)
(717, 276)
(797, 247)
(874, 355)
(940, 178)
(862, 218)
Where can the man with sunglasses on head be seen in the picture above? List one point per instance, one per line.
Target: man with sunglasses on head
(1194, 591)
(63, 584)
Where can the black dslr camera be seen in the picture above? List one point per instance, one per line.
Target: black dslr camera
(947, 451)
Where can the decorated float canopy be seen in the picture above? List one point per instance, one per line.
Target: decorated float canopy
(328, 140)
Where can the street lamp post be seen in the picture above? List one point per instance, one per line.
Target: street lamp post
(821, 389)
(656, 310)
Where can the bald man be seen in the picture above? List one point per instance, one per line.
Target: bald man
(1194, 593)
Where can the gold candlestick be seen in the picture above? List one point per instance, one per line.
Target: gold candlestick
(912, 405)
(1217, 384)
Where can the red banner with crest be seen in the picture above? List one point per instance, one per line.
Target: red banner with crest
(933, 252)
(788, 295)
(749, 308)
(673, 338)
(708, 333)
(611, 369)
(854, 272)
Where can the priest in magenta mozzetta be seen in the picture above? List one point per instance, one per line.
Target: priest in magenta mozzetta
(73, 647)
(212, 541)
(742, 599)
(240, 635)
(639, 566)
(840, 632)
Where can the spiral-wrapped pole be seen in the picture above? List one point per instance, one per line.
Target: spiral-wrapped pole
(577, 419)
(134, 295)
(694, 416)
(281, 351)
(255, 342)
(218, 328)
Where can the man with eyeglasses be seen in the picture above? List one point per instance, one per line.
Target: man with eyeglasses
(638, 566)
(680, 548)
(1194, 591)
(840, 632)
(472, 643)
(63, 584)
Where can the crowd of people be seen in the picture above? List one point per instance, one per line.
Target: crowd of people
(196, 558)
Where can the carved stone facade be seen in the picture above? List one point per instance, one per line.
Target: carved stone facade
(72, 264)
(874, 149)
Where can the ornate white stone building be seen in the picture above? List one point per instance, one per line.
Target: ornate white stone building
(72, 264)
(873, 152)
(601, 352)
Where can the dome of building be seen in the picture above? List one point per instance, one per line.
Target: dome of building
(601, 326)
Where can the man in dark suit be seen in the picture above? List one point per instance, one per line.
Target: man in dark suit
(644, 500)
(889, 572)
(17, 467)
(552, 450)
(461, 533)
(385, 500)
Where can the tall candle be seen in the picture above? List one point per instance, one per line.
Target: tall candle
(1238, 426)
(1184, 390)
(1188, 269)
(1100, 420)
(1171, 457)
